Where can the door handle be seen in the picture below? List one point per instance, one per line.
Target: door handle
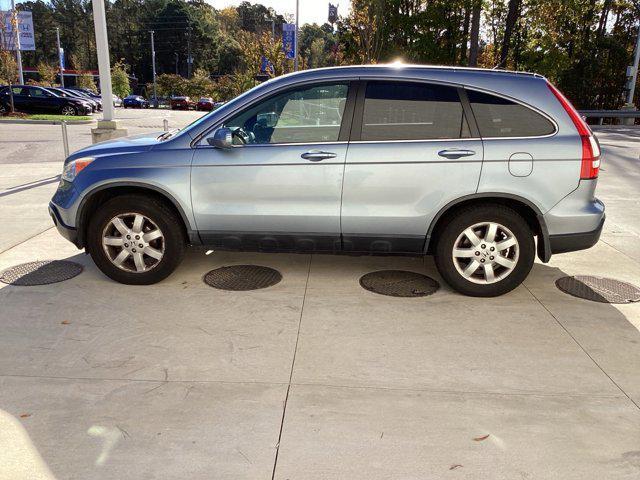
(455, 153)
(317, 155)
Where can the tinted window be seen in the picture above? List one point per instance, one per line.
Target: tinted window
(412, 111)
(38, 92)
(499, 117)
(306, 114)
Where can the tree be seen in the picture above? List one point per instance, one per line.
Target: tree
(476, 13)
(8, 67)
(47, 74)
(85, 80)
(512, 18)
(120, 79)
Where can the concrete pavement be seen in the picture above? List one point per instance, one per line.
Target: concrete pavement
(316, 378)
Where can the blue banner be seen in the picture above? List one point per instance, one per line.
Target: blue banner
(61, 58)
(289, 39)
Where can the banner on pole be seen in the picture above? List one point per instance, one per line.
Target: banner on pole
(333, 13)
(289, 39)
(61, 57)
(25, 29)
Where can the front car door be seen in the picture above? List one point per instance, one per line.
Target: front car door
(279, 186)
(42, 100)
(414, 148)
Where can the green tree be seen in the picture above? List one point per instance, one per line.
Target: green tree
(120, 79)
(85, 80)
(47, 74)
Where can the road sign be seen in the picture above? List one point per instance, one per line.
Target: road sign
(289, 40)
(25, 27)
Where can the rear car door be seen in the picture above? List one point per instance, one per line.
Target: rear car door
(414, 148)
(281, 190)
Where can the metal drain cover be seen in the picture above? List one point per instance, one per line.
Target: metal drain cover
(242, 277)
(399, 283)
(41, 272)
(599, 289)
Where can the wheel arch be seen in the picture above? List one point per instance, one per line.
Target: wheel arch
(527, 209)
(103, 193)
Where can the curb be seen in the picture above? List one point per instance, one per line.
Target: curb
(47, 122)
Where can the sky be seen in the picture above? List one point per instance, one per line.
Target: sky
(311, 11)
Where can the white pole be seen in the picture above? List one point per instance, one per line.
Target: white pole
(60, 58)
(153, 62)
(16, 34)
(295, 54)
(104, 65)
(634, 76)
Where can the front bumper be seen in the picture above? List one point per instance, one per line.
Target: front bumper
(571, 242)
(66, 231)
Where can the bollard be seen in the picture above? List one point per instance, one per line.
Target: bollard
(65, 139)
(165, 122)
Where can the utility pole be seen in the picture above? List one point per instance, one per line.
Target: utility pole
(189, 59)
(153, 63)
(633, 74)
(15, 25)
(295, 43)
(176, 54)
(60, 58)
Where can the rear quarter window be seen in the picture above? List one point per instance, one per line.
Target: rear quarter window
(500, 117)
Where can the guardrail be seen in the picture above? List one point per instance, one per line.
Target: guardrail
(602, 114)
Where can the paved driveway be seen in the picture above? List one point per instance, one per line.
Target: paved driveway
(315, 377)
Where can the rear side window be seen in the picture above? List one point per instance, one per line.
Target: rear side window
(412, 111)
(499, 117)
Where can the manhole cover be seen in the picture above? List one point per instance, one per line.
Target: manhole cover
(242, 277)
(599, 289)
(399, 283)
(42, 272)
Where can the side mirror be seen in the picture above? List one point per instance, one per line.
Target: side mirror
(221, 138)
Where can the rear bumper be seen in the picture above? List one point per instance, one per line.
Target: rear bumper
(571, 242)
(67, 232)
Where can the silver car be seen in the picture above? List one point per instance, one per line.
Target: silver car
(469, 165)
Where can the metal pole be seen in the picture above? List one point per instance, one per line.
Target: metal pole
(65, 138)
(295, 46)
(16, 35)
(634, 75)
(60, 58)
(176, 54)
(189, 59)
(153, 63)
(165, 125)
(104, 65)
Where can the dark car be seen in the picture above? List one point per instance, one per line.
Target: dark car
(33, 99)
(205, 104)
(97, 99)
(182, 103)
(135, 101)
(71, 94)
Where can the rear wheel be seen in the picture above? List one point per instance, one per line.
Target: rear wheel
(136, 240)
(485, 251)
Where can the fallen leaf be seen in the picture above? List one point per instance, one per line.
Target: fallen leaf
(25, 415)
(65, 322)
(453, 467)
(479, 439)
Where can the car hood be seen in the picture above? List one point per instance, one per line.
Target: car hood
(131, 144)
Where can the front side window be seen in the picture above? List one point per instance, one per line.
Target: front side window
(303, 115)
(38, 92)
(499, 117)
(412, 111)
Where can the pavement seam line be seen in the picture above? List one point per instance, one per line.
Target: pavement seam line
(293, 362)
(26, 240)
(581, 347)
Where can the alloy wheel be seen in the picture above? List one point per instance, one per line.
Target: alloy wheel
(133, 242)
(486, 252)
(67, 110)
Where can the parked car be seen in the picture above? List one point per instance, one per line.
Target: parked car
(469, 165)
(97, 100)
(33, 99)
(135, 101)
(205, 104)
(182, 103)
(71, 94)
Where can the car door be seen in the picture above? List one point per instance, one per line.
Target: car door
(41, 100)
(414, 149)
(281, 190)
(21, 99)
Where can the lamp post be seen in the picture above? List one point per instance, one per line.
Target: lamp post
(60, 58)
(295, 43)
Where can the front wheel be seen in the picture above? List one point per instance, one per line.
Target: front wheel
(136, 240)
(485, 251)
(68, 111)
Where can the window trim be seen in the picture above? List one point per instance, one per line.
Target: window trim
(519, 102)
(345, 126)
(358, 117)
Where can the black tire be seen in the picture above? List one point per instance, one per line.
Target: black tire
(3, 109)
(466, 217)
(156, 211)
(75, 110)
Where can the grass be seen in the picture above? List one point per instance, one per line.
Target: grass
(50, 118)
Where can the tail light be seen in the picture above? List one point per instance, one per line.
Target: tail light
(590, 148)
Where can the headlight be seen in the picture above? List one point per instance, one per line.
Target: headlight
(74, 167)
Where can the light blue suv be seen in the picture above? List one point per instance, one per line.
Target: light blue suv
(469, 165)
